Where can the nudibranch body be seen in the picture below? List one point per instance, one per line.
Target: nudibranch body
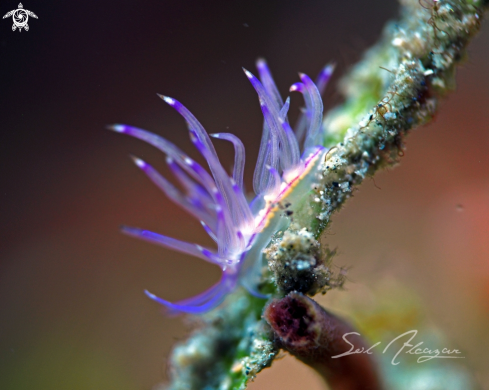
(240, 230)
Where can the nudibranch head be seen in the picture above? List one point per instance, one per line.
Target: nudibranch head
(241, 230)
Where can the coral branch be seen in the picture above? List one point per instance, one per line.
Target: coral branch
(397, 87)
(315, 336)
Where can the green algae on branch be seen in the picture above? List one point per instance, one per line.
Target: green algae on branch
(396, 87)
(435, 52)
(230, 346)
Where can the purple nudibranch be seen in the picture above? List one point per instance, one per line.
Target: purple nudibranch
(217, 199)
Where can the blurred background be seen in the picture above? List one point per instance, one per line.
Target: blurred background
(72, 310)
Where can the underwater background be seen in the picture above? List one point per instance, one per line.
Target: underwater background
(73, 314)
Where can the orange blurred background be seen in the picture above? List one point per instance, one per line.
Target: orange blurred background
(72, 310)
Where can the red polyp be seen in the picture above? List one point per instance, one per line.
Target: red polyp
(292, 321)
(315, 336)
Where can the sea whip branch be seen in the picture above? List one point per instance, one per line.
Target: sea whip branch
(397, 87)
(315, 336)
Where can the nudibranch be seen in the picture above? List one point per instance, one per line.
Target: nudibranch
(240, 229)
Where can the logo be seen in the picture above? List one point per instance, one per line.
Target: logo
(20, 16)
(424, 354)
